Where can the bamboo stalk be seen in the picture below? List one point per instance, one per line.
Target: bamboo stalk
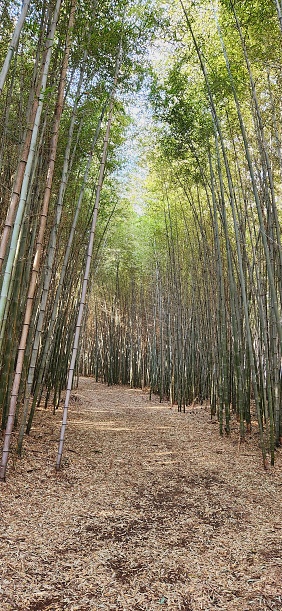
(88, 264)
(39, 249)
(13, 44)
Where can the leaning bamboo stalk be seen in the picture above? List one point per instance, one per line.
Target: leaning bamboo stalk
(39, 250)
(9, 354)
(50, 262)
(88, 265)
(28, 168)
(32, 107)
(46, 350)
(5, 119)
(28, 266)
(18, 183)
(13, 44)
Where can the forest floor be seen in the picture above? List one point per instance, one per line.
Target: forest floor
(151, 510)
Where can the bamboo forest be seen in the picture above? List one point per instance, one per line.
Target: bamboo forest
(141, 305)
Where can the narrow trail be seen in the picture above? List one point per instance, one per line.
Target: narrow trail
(151, 510)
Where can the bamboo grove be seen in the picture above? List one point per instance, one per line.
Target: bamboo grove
(195, 314)
(66, 67)
(185, 297)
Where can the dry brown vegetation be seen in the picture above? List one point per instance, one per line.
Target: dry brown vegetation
(151, 510)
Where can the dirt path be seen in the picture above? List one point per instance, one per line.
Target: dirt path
(151, 510)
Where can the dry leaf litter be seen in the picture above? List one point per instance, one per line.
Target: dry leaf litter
(151, 510)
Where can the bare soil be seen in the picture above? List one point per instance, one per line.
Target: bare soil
(151, 510)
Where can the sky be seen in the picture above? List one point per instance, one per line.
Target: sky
(132, 177)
